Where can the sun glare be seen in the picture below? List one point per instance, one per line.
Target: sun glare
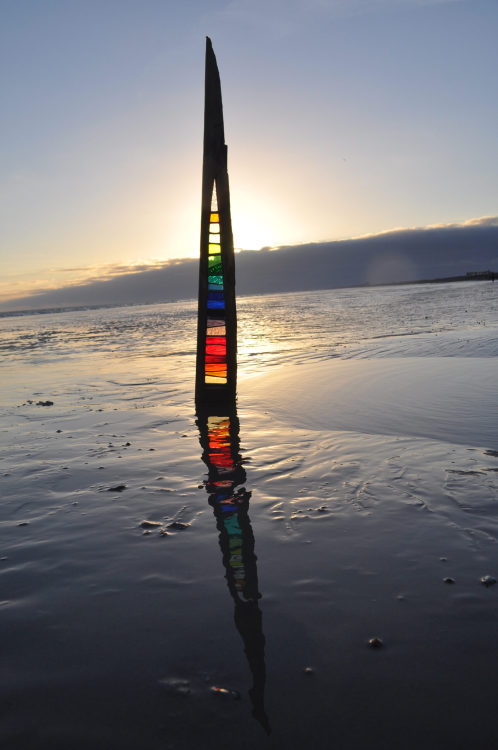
(255, 226)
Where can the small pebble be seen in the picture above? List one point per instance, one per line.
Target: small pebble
(44, 403)
(375, 642)
(150, 524)
(443, 559)
(309, 670)
(117, 488)
(448, 580)
(163, 532)
(23, 523)
(58, 430)
(488, 581)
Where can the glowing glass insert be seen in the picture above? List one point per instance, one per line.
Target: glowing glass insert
(216, 331)
(215, 279)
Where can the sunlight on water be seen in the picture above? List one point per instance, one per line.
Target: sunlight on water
(272, 329)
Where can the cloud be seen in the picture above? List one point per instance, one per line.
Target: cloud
(484, 221)
(404, 254)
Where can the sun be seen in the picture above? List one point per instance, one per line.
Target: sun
(255, 226)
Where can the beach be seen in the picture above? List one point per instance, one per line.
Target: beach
(366, 447)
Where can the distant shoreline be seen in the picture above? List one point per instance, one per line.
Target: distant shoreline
(470, 276)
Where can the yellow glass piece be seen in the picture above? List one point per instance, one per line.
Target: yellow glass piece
(215, 218)
(214, 249)
(213, 380)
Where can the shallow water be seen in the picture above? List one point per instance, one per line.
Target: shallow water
(369, 446)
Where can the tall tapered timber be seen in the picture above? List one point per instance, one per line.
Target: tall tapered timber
(216, 371)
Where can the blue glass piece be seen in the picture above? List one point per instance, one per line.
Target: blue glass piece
(215, 287)
(216, 295)
(214, 304)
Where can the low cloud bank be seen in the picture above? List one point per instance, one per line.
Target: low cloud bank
(394, 256)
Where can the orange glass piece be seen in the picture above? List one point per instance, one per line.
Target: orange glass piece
(216, 331)
(214, 218)
(218, 370)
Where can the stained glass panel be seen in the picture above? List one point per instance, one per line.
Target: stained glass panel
(216, 321)
(215, 279)
(220, 350)
(215, 370)
(216, 331)
(215, 363)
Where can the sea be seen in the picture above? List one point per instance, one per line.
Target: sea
(317, 566)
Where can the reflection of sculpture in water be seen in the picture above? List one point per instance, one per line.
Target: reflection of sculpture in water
(219, 437)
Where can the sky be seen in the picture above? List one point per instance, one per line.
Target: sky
(343, 118)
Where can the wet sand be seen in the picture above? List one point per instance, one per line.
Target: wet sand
(371, 481)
